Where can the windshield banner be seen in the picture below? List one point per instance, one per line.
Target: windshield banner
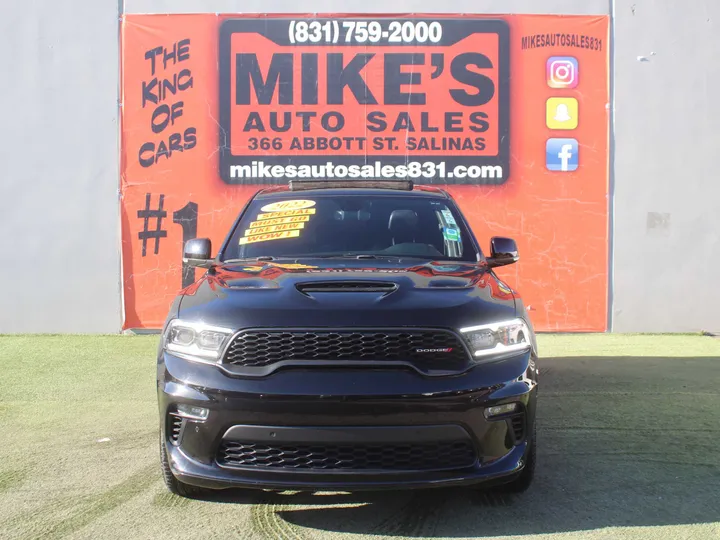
(508, 113)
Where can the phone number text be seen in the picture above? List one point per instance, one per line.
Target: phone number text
(365, 32)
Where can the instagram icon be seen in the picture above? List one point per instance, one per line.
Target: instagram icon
(562, 72)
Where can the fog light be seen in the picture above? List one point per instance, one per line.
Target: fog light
(192, 413)
(499, 410)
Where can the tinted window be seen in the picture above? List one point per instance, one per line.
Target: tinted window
(351, 224)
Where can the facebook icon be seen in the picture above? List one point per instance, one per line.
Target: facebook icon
(561, 155)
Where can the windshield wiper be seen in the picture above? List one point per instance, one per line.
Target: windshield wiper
(262, 258)
(386, 256)
(339, 256)
(358, 256)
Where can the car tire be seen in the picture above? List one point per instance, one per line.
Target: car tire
(174, 485)
(523, 482)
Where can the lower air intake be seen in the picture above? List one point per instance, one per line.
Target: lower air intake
(175, 428)
(517, 425)
(397, 457)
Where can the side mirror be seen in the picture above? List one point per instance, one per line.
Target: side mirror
(197, 253)
(503, 251)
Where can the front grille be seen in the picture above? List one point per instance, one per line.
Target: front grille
(426, 349)
(375, 457)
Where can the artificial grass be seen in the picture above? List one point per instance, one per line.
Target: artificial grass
(627, 429)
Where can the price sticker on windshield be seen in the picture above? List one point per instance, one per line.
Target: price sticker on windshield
(287, 205)
(268, 236)
(288, 213)
(275, 228)
(278, 221)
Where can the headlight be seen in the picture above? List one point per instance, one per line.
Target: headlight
(497, 338)
(196, 341)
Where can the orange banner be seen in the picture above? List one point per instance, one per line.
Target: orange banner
(508, 113)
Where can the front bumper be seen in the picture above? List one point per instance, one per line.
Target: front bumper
(321, 408)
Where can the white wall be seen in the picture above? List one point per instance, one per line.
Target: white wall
(59, 266)
(568, 7)
(667, 150)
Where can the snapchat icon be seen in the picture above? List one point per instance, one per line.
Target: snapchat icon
(561, 113)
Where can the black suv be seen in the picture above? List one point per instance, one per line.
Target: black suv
(348, 336)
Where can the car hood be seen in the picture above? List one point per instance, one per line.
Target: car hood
(348, 293)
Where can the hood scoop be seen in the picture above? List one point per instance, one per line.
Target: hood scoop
(384, 287)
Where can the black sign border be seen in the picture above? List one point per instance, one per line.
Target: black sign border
(265, 27)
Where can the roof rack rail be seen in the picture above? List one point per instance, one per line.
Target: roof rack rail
(300, 185)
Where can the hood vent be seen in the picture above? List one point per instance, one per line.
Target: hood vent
(347, 286)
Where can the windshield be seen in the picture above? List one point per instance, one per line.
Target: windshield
(351, 225)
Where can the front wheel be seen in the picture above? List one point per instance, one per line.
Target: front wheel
(173, 484)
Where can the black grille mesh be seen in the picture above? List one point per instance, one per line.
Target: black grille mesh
(263, 348)
(518, 427)
(397, 457)
(175, 427)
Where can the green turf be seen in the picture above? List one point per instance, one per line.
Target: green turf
(628, 433)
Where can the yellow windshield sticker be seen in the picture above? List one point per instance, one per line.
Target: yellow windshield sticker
(278, 221)
(274, 228)
(292, 266)
(269, 236)
(288, 213)
(281, 206)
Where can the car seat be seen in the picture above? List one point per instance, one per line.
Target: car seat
(402, 226)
